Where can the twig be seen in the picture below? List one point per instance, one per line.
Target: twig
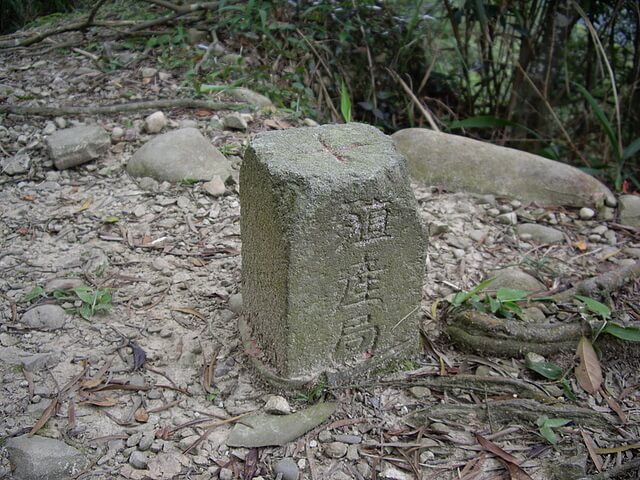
(49, 111)
(423, 108)
(210, 428)
(554, 115)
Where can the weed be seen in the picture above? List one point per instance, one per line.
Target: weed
(548, 425)
(213, 395)
(314, 394)
(92, 301)
(503, 304)
(230, 149)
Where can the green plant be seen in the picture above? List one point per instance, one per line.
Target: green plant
(213, 395)
(593, 307)
(92, 301)
(345, 103)
(551, 371)
(504, 303)
(547, 426)
(620, 155)
(313, 394)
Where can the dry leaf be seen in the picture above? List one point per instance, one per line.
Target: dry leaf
(99, 402)
(588, 372)
(276, 124)
(141, 415)
(139, 355)
(615, 406)
(515, 472)
(620, 449)
(496, 450)
(86, 204)
(581, 245)
(190, 311)
(44, 418)
(591, 447)
(97, 379)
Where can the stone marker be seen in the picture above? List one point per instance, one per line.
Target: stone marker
(332, 253)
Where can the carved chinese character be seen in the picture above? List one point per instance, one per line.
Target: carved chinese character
(368, 221)
(358, 336)
(362, 284)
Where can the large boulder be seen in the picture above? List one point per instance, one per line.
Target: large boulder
(179, 155)
(460, 163)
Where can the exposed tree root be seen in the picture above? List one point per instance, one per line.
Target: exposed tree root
(607, 282)
(487, 334)
(505, 347)
(46, 111)
(484, 385)
(509, 411)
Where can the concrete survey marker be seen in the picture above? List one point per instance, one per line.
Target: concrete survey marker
(332, 252)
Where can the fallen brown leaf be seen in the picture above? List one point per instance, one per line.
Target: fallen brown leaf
(591, 447)
(141, 415)
(588, 372)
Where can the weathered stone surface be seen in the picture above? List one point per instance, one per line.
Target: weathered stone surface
(539, 233)
(254, 98)
(40, 458)
(77, 145)
(514, 278)
(31, 362)
(179, 155)
(288, 468)
(460, 163)
(155, 122)
(630, 210)
(19, 163)
(266, 430)
(333, 251)
(46, 317)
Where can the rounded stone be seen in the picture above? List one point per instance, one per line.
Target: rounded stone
(138, 460)
(155, 122)
(235, 303)
(335, 449)
(288, 468)
(45, 317)
(586, 213)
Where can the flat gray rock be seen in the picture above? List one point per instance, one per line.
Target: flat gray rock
(630, 210)
(40, 458)
(77, 145)
(19, 163)
(266, 430)
(539, 233)
(31, 362)
(179, 155)
(460, 163)
(45, 317)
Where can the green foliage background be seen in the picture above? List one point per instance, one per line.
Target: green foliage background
(560, 78)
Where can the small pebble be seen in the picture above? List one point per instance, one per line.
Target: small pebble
(586, 213)
(138, 460)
